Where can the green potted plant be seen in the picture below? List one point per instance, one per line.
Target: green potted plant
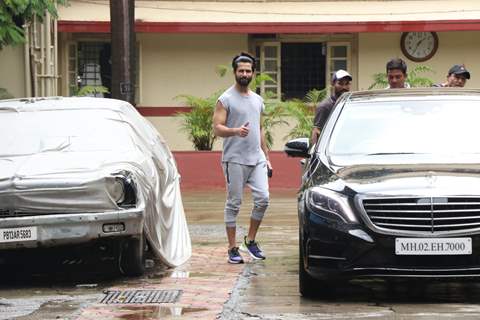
(88, 90)
(197, 122)
(303, 111)
(4, 94)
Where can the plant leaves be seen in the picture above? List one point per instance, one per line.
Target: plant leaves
(22, 10)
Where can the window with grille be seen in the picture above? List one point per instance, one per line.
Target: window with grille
(94, 65)
(268, 63)
(338, 57)
(300, 66)
(89, 64)
(72, 68)
(303, 68)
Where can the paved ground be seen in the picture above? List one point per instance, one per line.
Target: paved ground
(212, 289)
(269, 289)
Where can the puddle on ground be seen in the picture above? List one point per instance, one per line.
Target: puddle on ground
(202, 274)
(169, 274)
(180, 274)
(155, 312)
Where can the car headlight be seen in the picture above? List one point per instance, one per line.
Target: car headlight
(116, 189)
(329, 204)
(122, 190)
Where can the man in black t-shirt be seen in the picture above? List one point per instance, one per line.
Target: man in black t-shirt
(341, 81)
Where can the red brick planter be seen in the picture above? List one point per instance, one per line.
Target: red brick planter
(202, 170)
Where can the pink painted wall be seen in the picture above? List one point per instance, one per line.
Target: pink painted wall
(202, 170)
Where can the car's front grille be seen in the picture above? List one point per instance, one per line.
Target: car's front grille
(6, 213)
(428, 214)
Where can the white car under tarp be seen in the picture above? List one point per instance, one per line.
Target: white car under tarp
(74, 170)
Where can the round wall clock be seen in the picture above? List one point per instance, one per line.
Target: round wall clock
(419, 46)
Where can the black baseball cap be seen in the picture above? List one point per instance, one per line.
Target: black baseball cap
(459, 69)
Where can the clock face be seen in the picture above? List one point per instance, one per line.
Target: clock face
(419, 46)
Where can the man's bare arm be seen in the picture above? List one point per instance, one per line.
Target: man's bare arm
(219, 127)
(263, 144)
(315, 135)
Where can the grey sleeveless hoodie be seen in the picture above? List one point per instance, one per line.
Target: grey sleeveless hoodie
(240, 110)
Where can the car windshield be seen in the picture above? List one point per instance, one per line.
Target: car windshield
(442, 126)
(26, 133)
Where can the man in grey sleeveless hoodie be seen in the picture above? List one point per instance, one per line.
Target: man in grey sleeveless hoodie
(237, 119)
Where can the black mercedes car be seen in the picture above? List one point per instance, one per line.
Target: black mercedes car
(392, 188)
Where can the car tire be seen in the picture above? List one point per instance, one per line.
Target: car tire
(132, 257)
(309, 286)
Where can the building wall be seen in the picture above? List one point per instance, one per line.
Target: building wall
(12, 68)
(177, 140)
(174, 64)
(375, 49)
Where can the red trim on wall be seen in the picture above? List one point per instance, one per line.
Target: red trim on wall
(276, 27)
(84, 26)
(164, 111)
(202, 170)
(161, 111)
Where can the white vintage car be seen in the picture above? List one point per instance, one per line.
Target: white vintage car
(79, 170)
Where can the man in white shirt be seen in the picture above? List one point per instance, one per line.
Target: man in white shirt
(397, 74)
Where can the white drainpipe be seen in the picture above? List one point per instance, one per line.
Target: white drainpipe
(48, 74)
(26, 50)
(55, 76)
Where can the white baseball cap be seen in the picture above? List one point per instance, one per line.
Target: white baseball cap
(340, 74)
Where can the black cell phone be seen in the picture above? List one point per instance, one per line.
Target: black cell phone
(269, 172)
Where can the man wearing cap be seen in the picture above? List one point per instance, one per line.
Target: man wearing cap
(457, 77)
(341, 81)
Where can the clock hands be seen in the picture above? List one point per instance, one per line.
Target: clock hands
(418, 44)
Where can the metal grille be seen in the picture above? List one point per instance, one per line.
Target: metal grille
(93, 64)
(432, 214)
(303, 68)
(6, 213)
(141, 296)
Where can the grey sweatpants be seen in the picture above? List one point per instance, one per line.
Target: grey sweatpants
(239, 175)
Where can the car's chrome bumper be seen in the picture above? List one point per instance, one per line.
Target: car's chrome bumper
(65, 229)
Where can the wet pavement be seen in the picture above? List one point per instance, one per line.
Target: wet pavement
(72, 287)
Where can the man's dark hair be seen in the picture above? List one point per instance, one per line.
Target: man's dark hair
(243, 57)
(397, 63)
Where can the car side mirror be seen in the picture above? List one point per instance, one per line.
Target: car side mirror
(297, 148)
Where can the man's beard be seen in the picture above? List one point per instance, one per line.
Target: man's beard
(339, 93)
(243, 81)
